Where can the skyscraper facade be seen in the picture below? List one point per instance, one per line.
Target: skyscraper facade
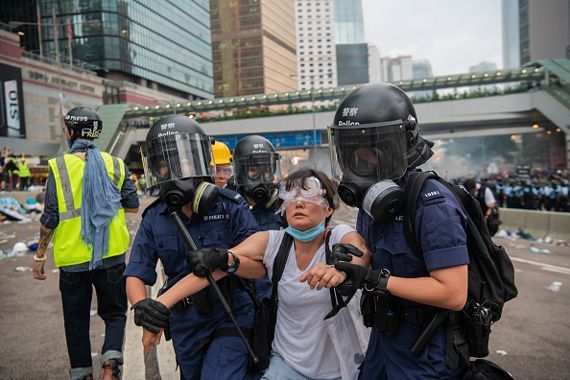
(510, 29)
(544, 29)
(421, 68)
(351, 49)
(397, 68)
(316, 51)
(374, 64)
(253, 46)
(162, 45)
(349, 22)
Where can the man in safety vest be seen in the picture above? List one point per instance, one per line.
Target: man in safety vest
(24, 173)
(87, 195)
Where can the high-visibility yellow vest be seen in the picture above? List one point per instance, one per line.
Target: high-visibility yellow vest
(24, 170)
(68, 248)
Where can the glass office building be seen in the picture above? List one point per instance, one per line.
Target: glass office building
(164, 45)
(348, 22)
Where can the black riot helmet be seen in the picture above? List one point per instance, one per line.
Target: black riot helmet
(257, 172)
(375, 138)
(176, 157)
(84, 122)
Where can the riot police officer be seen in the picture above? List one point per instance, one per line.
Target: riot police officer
(257, 175)
(375, 145)
(257, 179)
(176, 158)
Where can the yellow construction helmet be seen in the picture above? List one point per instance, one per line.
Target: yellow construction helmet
(221, 153)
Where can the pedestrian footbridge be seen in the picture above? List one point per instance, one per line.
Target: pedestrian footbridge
(474, 104)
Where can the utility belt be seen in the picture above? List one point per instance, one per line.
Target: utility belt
(386, 313)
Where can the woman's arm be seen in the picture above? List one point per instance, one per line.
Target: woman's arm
(250, 253)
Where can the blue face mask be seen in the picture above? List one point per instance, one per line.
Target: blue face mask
(306, 236)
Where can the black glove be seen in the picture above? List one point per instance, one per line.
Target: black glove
(358, 277)
(151, 314)
(204, 261)
(345, 252)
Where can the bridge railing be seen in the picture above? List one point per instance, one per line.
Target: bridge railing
(527, 75)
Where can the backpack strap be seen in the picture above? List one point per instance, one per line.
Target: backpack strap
(414, 184)
(280, 262)
(337, 301)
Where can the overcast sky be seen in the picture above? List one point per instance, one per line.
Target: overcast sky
(451, 34)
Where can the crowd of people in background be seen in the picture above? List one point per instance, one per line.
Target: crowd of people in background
(545, 190)
(15, 173)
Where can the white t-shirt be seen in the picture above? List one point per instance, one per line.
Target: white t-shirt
(300, 334)
(489, 197)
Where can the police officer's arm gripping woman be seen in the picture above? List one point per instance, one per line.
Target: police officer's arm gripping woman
(375, 147)
(176, 157)
(87, 195)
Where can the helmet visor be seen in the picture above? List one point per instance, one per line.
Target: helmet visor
(257, 168)
(178, 156)
(372, 151)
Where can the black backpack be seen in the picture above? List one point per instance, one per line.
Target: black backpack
(491, 279)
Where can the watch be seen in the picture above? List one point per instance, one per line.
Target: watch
(234, 265)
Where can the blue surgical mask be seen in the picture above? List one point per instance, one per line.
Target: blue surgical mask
(306, 236)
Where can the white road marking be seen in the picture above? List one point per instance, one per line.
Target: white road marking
(543, 266)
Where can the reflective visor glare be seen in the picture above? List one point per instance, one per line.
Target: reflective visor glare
(179, 156)
(258, 168)
(370, 151)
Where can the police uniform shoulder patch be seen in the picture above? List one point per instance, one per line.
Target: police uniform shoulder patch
(432, 193)
(231, 195)
(150, 206)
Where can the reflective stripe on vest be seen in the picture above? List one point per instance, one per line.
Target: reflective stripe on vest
(73, 212)
(69, 249)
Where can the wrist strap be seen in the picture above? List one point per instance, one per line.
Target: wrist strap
(376, 280)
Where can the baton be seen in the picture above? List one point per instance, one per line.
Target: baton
(422, 341)
(190, 242)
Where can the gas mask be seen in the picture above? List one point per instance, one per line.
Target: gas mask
(382, 200)
(263, 194)
(178, 192)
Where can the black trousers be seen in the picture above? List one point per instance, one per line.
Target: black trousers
(76, 292)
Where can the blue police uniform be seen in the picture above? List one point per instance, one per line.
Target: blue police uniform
(440, 228)
(228, 222)
(267, 219)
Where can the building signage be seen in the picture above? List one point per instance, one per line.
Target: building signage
(281, 140)
(64, 82)
(11, 105)
(12, 119)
